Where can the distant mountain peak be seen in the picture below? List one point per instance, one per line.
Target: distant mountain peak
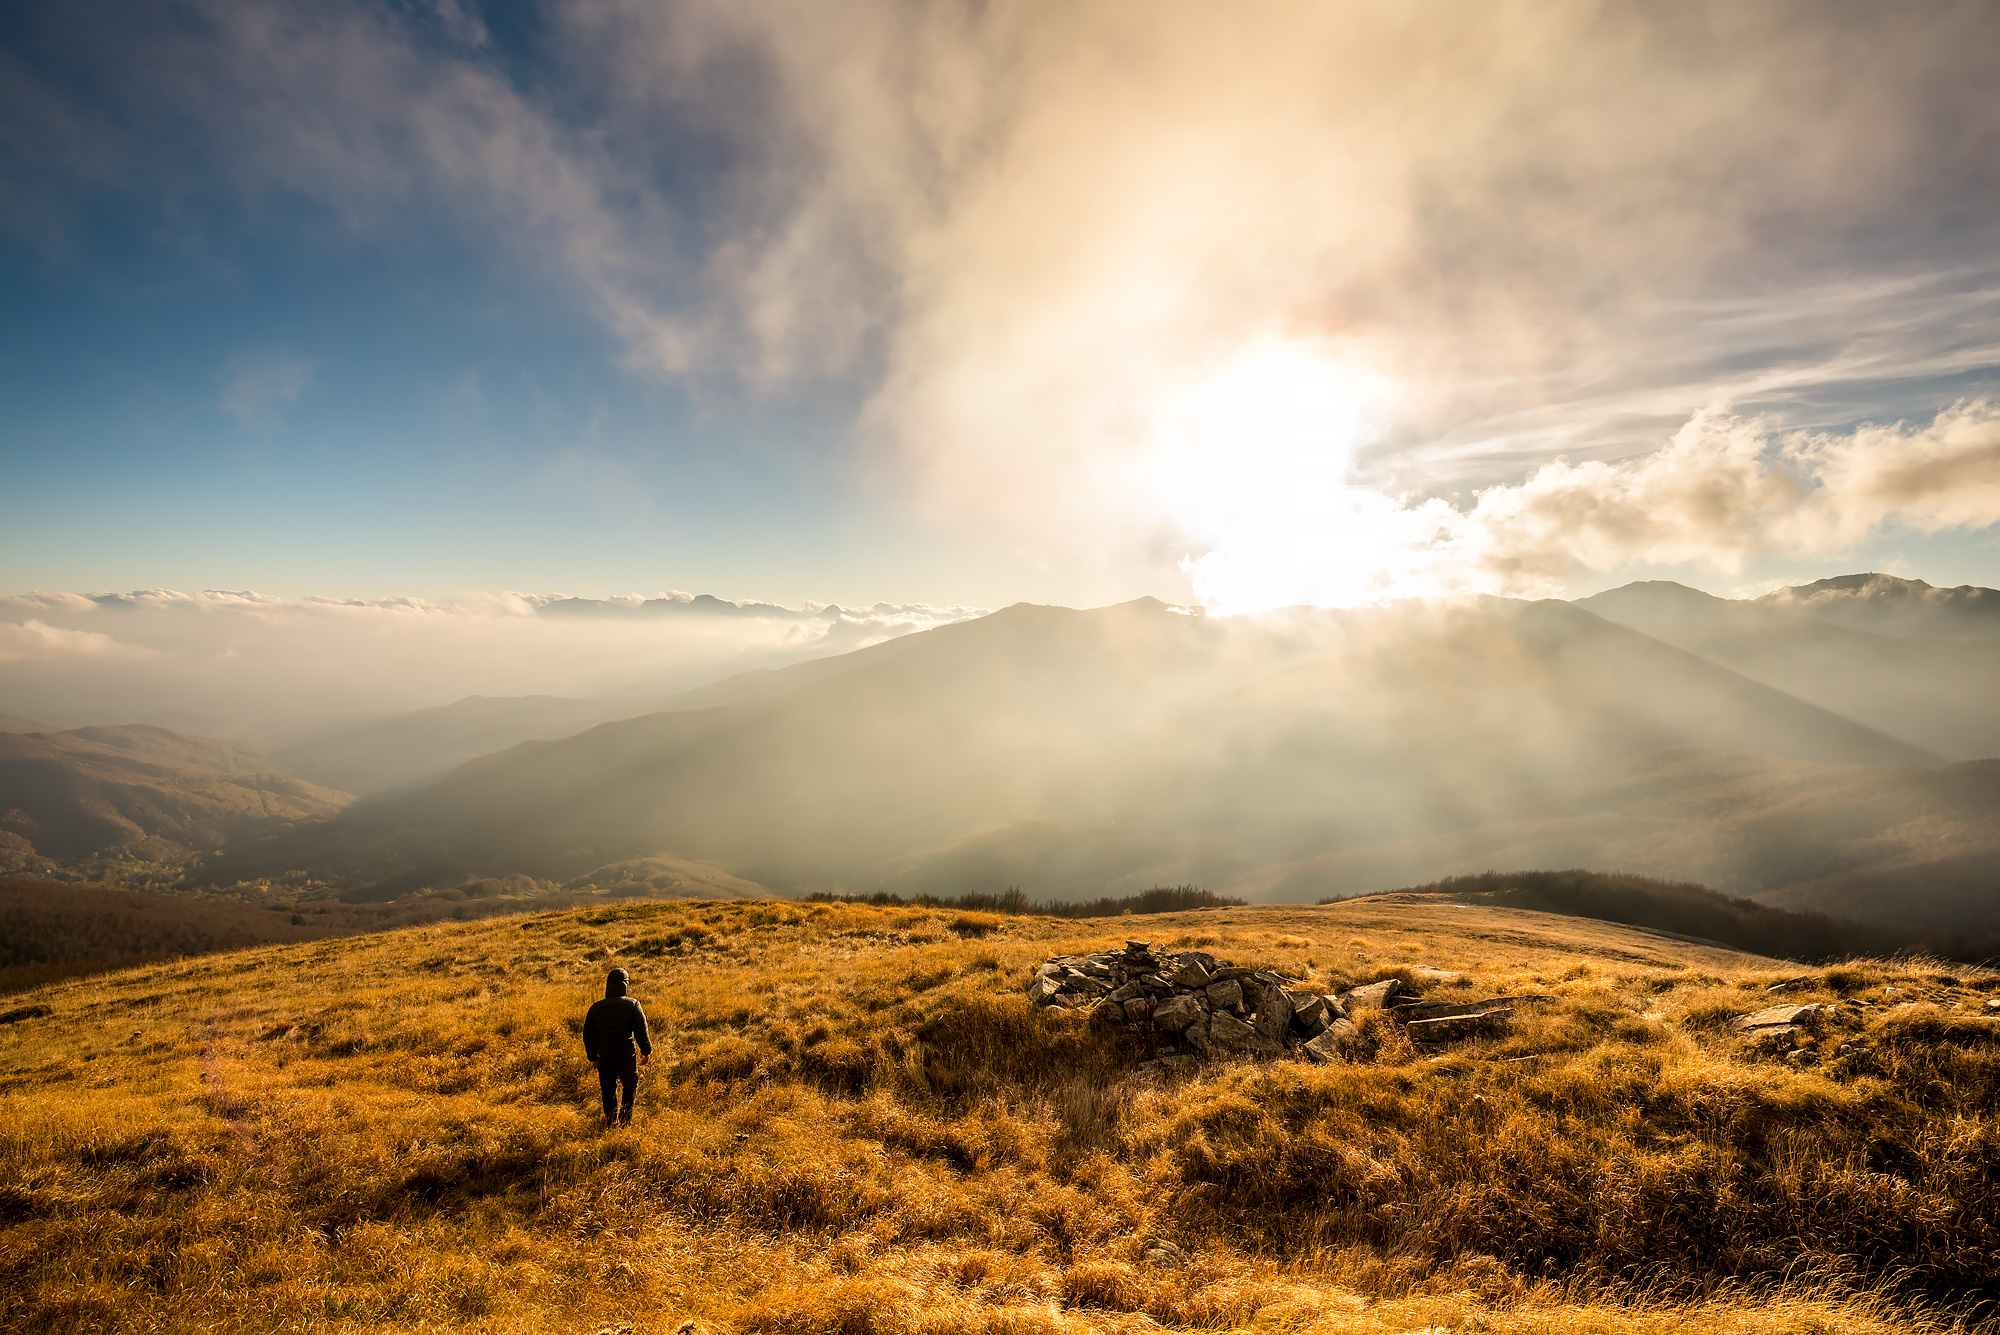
(1872, 584)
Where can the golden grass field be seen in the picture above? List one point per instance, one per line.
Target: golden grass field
(855, 1122)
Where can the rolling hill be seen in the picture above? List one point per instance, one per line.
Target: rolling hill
(856, 1121)
(91, 798)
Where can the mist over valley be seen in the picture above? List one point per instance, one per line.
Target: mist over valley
(1828, 747)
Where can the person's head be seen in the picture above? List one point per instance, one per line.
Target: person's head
(614, 983)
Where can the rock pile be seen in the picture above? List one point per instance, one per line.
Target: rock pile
(1199, 1005)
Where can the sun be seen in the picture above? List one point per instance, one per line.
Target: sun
(1252, 468)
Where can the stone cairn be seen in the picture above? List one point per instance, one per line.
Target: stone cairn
(1197, 1007)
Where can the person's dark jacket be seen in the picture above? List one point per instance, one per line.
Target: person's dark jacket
(613, 1025)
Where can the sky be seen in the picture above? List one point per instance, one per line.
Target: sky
(954, 305)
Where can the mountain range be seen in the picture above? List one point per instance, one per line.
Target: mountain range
(1830, 747)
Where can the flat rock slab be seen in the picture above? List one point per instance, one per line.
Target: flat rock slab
(1452, 1028)
(1430, 974)
(1333, 1043)
(1772, 1017)
(1374, 997)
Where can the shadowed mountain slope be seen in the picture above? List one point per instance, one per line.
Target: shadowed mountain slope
(138, 792)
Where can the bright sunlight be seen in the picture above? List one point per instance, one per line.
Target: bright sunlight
(1253, 467)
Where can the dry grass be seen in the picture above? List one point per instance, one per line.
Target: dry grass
(856, 1123)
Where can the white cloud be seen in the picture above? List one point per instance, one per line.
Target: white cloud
(1726, 490)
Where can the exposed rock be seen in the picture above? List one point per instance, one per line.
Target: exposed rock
(1993, 1006)
(1469, 1024)
(1163, 1255)
(1176, 1013)
(1772, 1017)
(1228, 1034)
(1374, 997)
(1197, 1006)
(1333, 1042)
(1270, 1006)
(1442, 977)
(1792, 984)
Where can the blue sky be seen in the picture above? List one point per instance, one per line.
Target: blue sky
(976, 304)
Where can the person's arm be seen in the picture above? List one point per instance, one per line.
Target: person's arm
(590, 1036)
(641, 1032)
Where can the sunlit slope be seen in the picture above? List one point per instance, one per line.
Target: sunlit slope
(139, 792)
(1081, 753)
(855, 1121)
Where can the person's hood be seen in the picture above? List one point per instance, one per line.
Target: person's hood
(614, 983)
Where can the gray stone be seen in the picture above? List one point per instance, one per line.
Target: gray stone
(1332, 1044)
(1308, 1010)
(1163, 1255)
(1226, 1033)
(1775, 1036)
(1993, 1006)
(1135, 988)
(1271, 1007)
(1374, 997)
(1438, 976)
(1227, 972)
(1452, 1028)
(1792, 984)
(1190, 975)
(1225, 996)
(1774, 1016)
(1139, 1009)
(1801, 1056)
(1043, 990)
(1177, 1013)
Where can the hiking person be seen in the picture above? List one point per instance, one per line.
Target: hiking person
(610, 1028)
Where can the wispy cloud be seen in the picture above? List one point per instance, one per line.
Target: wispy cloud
(257, 386)
(1550, 226)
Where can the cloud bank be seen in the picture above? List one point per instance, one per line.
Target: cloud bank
(268, 670)
(1725, 491)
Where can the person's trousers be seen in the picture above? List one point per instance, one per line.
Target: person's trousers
(612, 1074)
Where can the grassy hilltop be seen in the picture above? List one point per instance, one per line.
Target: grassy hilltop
(855, 1122)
